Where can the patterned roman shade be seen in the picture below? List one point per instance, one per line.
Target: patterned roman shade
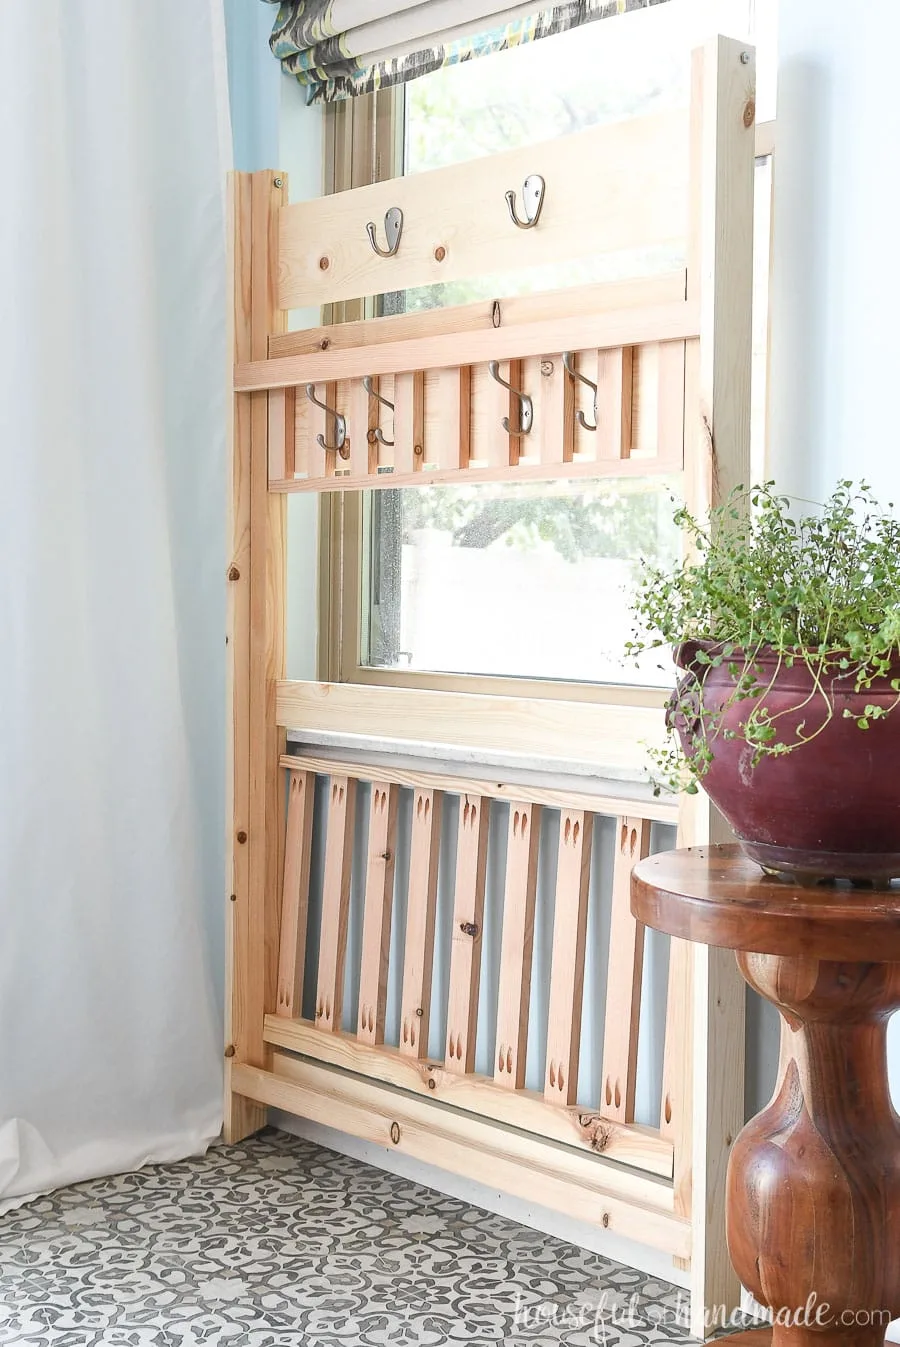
(338, 48)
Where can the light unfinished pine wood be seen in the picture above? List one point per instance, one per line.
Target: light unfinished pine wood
(573, 874)
(523, 1166)
(409, 422)
(335, 901)
(517, 943)
(641, 1148)
(421, 902)
(554, 411)
(468, 925)
(612, 737)
(673, 321)
(448, 418)
(670, 399)
(663, 808)
(456, 223)
(295, 892)
(381, 862)
(623, 983)
(614, 403)
(362, 418)
(282, 430)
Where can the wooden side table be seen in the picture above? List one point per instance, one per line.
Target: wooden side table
(813, 1199)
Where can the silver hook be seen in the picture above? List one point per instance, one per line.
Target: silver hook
(533, 200)
(393, 232)
(526, 407)
(574, 375)
(379, 433)
(340, 425)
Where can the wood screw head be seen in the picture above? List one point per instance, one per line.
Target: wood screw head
(279, 182)
(233, 898)
(419, 1011)
(324, 344)
(432, 1083)
(418, 450)
(229, 1051)
(242, 836)
(546, 368)
(440, 253)
(395, 1133)
(324, 263)
(233, 573)
(605, 1219)
(745, 58)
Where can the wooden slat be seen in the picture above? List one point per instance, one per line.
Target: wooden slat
(484, 314)
(282, 430)
(448, 418)
(662, 808)
(418, 960)
(335, 901)
(497, 448)
(621, 185)
(517, 943)
(322, 462)
(468, 925)
(554, 413)
(577, 332)
(611, 737)
(295, 893)
(521, 1165)
(614, 402)
(362, 418)
(376, 932)
(640, 1148)
(567, 959)
(623, 983)
(409, 422)
(670, 401)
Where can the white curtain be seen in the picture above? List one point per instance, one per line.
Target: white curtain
(113, 139)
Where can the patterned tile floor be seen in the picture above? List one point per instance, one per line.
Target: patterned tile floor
(279, 1243)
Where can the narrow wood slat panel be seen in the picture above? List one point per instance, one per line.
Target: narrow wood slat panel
(607, 736)
(335, 901)
(478, 1149)
(567, 958)
(670, 400)
(674, 321)
(379, 899)
(623, 983)
(468, 924)
(295, 893)
(448, 418)
(321, 462)
(362, 418)
(614, 402)
(484, 314)
(282, 430)
(304, 443)
(621, 185)
(554, 414)
(497, 447)
(517, 942)
(640, 1148)
(409, 422)
(662, 808)
(418, 959)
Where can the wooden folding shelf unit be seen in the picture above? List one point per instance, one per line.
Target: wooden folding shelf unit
(660, 364)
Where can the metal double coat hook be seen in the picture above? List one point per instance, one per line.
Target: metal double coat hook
(340, 425)
(526, 406)
(575, 376)
(379, 433)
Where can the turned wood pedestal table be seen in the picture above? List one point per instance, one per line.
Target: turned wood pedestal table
(813, 1199)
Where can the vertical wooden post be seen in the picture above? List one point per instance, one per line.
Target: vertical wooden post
(255, 639)
(717, 457)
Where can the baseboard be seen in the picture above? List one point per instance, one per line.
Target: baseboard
(631, 1254)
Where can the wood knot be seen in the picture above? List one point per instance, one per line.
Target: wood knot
(324, 263)
(440, 253)
(749, 112)
(233, 573)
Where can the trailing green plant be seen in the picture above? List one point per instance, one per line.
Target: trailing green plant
(820, 590)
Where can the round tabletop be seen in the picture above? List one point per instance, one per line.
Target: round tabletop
(716, 895)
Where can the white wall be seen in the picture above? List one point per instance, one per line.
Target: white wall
(836, 285)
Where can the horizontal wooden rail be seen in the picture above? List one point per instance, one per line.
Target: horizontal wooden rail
(623, 185)
(612, 737)
(628, 1144)
(487, 1152)
(600, 331)
(522, 472)
(662, 810)
(485, 315)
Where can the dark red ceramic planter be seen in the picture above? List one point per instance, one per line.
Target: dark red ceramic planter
(831, 808)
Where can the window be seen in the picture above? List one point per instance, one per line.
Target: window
(480, 585)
